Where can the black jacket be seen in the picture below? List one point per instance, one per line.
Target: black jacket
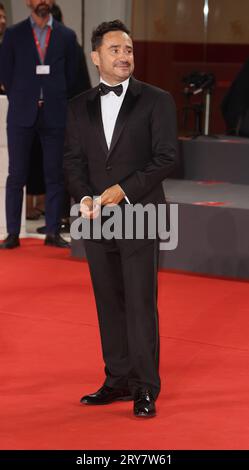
(18, 61)
(143, 151)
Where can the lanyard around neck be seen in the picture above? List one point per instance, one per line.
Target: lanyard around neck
(42, 53)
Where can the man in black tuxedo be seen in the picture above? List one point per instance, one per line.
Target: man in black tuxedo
(121, 143)
(38, 70)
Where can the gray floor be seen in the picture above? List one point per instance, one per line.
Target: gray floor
(192, 192)
(225, 158)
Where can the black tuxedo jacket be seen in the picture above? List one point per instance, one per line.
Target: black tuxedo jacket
(18, 61)
(143, 150)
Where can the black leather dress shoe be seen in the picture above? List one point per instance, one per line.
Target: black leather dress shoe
(56, 240)
(144, 404)
(106, 395)
(12, 241)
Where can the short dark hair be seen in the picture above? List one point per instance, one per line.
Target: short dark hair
(2, 6)
(56, 13)
(106, 27)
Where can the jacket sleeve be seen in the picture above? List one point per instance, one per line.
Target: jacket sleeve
(71, 63)
(164, 151)
(7, 61)
(75, 162)
(82, 82)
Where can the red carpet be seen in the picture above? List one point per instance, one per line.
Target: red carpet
(50, 357)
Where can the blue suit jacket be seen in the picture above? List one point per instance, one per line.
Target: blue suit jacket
(18, 61)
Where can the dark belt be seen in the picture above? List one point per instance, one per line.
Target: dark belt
(40, 103)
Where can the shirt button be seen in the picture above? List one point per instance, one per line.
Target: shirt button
(108, 168)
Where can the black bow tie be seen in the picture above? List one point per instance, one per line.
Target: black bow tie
(105, 89)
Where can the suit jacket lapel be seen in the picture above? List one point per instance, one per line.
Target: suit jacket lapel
(94, 111)
(31, 39)
(52, 42)
(131, 97)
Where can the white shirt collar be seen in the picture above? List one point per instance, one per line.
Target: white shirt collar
(125, 84)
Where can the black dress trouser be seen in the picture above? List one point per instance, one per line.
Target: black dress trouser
(125, 289)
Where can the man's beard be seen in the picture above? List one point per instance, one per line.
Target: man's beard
(42, 10)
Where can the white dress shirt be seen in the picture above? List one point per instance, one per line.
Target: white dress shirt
(110, 107)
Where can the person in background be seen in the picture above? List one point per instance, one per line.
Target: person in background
(38, 64)
(3, 23)
(82, 83)
(35, 183)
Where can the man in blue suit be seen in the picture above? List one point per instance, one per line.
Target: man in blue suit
(37, 68)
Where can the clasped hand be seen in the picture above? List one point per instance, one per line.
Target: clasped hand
(90, 208)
